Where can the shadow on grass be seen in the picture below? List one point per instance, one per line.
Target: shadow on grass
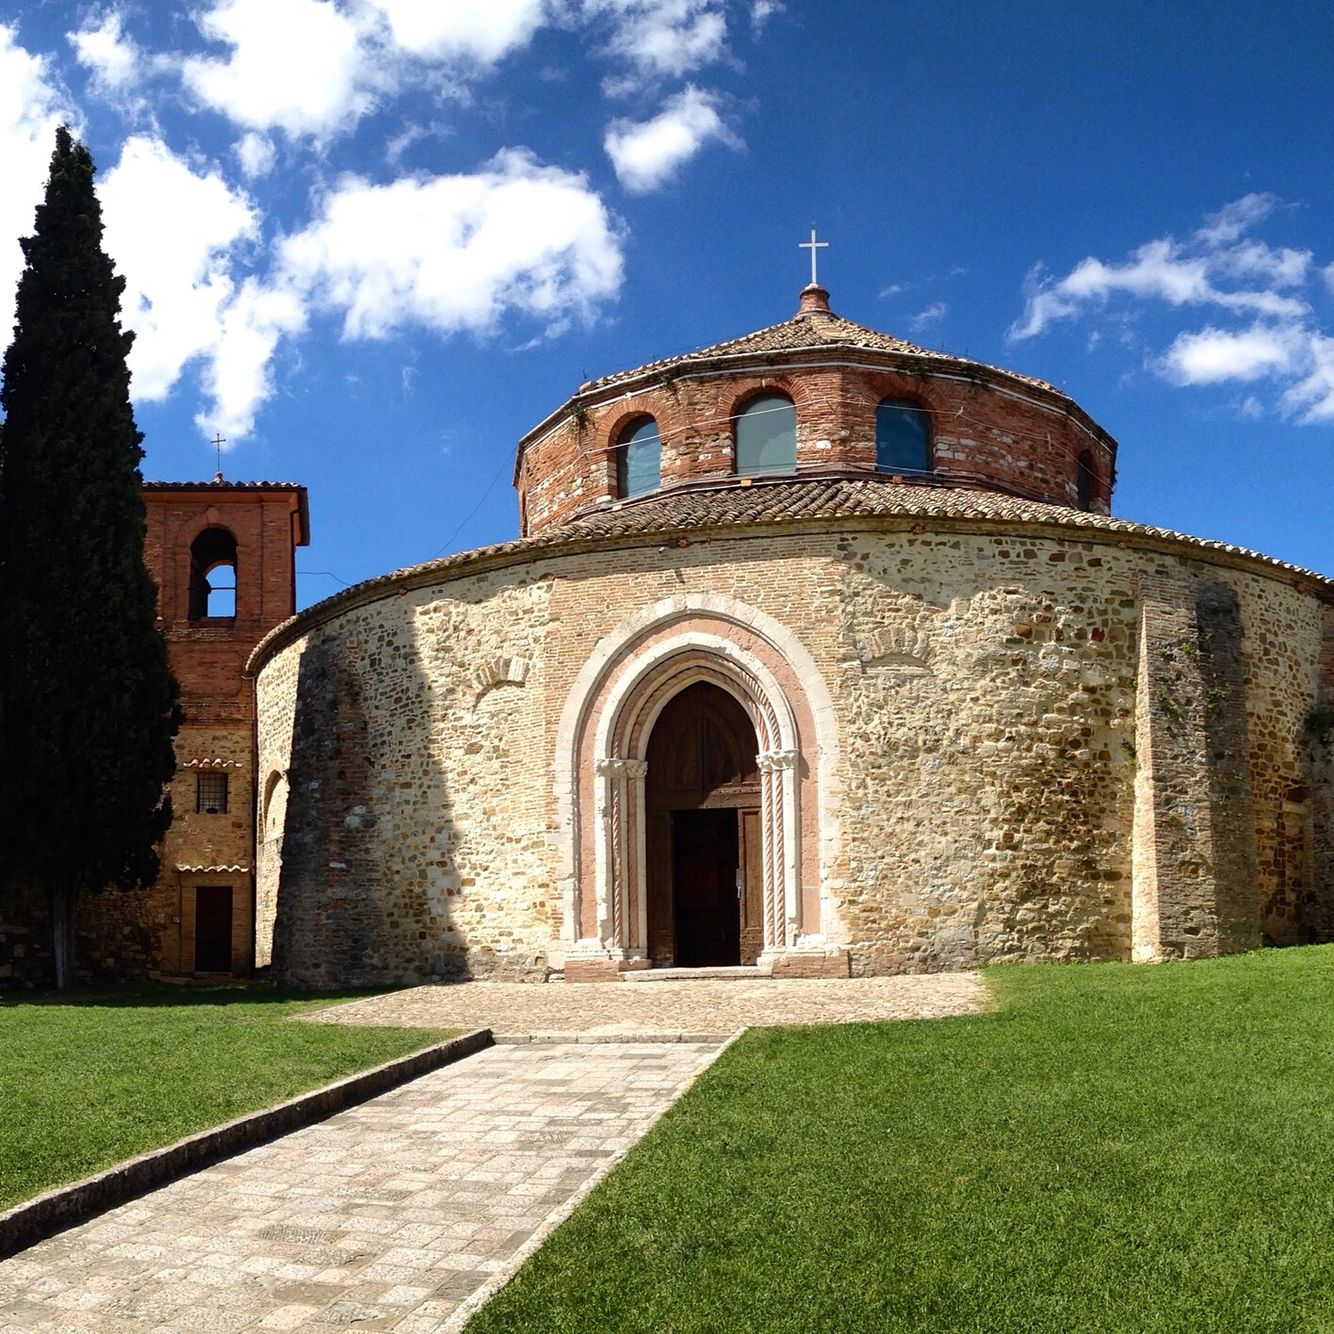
(149, 995)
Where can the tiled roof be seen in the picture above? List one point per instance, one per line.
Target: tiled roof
(779, 500)
(772, 501)
(821, 331)
(216, 485)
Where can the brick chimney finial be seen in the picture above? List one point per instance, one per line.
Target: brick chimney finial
(814, 300)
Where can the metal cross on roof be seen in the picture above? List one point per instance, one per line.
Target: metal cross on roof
(813, 246)
(217, 442)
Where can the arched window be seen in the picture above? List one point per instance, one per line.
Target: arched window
(766, 436)
(1086, 481)
(638, 458)
(213, 575)
(902, 437)
(275, 805)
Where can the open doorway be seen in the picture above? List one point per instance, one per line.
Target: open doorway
(703, 844)
(706, 867)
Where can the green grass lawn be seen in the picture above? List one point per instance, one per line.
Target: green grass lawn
(90, 1079)
(1117, 1148)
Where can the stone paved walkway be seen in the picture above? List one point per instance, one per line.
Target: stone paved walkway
(387, 1216)
(665, 1009)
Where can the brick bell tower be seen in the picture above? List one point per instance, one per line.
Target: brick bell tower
(224, 558)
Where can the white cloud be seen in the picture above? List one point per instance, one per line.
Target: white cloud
(1159, 271)
(1264, 288)
(458, 252)
(1283, 268)
(1197, 272)
(238, 375)
(1209, 356)
(474, 30)
(174, 235)
(179, 236)
(924, 319)
(295, 65)
(30, 109)
(761, 11)
(661, 37)
(112, 58)
(256, 154)
(647, 154)
(1311, 399)
(1234, 219)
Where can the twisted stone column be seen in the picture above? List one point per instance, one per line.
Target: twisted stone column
(777, 799)
(612, 771)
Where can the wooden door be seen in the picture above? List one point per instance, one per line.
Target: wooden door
(213, 929)
(751, 873)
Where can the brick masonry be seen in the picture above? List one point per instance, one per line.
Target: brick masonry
(1017, 441)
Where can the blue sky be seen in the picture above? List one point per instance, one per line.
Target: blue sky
(371, 242)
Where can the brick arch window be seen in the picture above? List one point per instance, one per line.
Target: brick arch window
(902, 436)
(638, 458)
(1086, 481)
(765, 434)
(213, 575)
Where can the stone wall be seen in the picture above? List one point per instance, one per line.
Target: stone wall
(1048, 745)
(414, 842)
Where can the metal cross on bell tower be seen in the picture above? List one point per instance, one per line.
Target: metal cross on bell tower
(814, 247)
(217, 442)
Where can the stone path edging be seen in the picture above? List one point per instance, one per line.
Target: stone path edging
(41, 1217)
(648, 1035)
(461, 1317)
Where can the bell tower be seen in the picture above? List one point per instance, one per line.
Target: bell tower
(224, 558)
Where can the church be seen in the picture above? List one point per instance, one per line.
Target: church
(818, 654)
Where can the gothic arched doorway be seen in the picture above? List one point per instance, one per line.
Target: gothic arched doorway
(704, 859)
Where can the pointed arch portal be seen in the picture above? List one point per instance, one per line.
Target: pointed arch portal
(703, 874)
(694, 794)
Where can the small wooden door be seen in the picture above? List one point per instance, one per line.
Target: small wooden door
(751, 890)
(705, 874)
(213, 929)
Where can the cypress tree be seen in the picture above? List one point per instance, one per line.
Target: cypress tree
(87, 700)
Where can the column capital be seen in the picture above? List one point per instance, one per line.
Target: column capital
(776, 761)
(636, 769)
(611, 766)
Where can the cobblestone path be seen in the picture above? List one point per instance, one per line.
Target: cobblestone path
(665, 1009)
(387, 1216)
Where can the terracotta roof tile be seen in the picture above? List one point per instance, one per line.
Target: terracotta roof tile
(214, 485)
(810, 331)
(765, 501)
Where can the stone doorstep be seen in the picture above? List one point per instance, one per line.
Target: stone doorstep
(65, 1206)
(794, 966)
(734, 973)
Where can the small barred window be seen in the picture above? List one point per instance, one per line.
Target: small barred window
(211, 794)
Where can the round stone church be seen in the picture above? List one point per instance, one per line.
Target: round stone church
(819, 653)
